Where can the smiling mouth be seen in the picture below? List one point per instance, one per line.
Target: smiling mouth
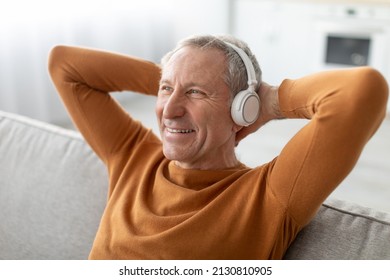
(183, 131)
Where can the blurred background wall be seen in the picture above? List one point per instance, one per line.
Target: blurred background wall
(29, 29)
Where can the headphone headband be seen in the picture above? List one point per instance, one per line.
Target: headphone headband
(250, 70)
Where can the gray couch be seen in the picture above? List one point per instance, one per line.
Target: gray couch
(53, 190)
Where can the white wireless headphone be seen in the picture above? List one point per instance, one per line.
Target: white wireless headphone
(246, 104)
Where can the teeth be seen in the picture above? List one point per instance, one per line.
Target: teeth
(179, 130)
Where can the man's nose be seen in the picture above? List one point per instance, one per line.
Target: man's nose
(175, 106)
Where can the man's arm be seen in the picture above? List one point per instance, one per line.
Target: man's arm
(84, 77)
(345, 108)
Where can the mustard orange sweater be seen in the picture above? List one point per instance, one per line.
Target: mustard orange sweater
(156, 210)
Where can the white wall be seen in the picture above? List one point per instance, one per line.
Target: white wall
(147, 28)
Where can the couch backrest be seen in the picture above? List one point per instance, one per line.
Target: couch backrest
(53, 190)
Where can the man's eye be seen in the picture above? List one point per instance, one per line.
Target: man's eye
(166, 88)
(195, 92)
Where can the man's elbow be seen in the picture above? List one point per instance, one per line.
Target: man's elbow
(370, 105)
(372, 90)
(56, 55)
(375, 86)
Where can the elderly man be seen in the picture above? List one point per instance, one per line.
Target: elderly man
(186, 195)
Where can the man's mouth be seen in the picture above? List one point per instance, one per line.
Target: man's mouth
(172, 130)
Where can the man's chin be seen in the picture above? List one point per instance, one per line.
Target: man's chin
(174, 155)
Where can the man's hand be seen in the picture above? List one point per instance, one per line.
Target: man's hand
(269, 110)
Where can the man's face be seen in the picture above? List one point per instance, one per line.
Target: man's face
(193, 110)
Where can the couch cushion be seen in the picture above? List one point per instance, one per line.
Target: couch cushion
(52, 191)
(344, 231)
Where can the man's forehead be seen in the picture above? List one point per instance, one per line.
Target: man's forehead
(195, 55)
(195, 61)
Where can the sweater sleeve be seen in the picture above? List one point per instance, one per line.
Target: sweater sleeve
(345, 107)
(84, 77)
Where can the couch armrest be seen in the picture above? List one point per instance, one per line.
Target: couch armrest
(343, 231)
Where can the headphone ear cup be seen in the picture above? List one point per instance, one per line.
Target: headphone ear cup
(245, 107)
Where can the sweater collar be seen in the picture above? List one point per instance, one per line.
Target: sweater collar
(198, 179)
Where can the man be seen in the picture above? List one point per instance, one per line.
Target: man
(187, 196)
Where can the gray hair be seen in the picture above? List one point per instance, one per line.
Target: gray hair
(236, 76)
